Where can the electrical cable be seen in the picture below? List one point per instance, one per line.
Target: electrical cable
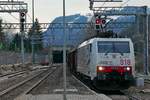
(124, 3)
(14, 17)
(101, 6)
(18, 18)
(29, 16)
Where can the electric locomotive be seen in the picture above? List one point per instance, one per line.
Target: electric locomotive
(104, 60)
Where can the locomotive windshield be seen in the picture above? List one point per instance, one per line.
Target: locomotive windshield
(113, 47)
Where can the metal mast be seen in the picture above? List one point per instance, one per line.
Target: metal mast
(64, 51)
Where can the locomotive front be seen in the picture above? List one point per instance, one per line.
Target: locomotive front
(115, 60)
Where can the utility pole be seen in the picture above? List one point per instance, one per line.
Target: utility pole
(50, 55)
(22, 49)
(33, 52)
(50, 51)
(22, 26)
(146, 55)
(64, 52)
(137, 24)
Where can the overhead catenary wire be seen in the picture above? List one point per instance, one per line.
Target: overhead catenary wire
(14, 17)
(18, 18)
(29, 16)
(125, 3)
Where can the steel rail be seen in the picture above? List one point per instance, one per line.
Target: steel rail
(19, 84)
(147, 81)
(13, 74)
(38, 82)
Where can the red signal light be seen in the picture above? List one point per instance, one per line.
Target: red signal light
(98, 21)
(103, 21)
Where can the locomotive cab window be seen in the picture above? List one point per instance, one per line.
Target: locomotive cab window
(113, 47)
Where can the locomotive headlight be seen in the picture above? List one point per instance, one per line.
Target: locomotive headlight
(128, 68)
(100, 68)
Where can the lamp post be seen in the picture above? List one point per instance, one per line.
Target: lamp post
(64, 53)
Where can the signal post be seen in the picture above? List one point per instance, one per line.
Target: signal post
(22, 27)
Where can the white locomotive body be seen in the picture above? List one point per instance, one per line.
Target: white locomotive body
(103, 59)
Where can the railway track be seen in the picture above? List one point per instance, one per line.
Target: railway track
(10, 75)
(113, 94)
(147, 81)
(8, 82)
(88, 85)
(139, 93)
(54, 85)
(131, 96)
(24, 86)
(49, 84)
(17, 73)
(40, 81)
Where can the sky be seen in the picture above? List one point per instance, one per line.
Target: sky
(48, 10)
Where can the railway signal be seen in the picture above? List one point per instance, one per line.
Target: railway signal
(103, 21)
(22, 26)
(22, 21)
(99, 23)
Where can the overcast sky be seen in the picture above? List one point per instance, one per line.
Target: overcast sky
(47, 10)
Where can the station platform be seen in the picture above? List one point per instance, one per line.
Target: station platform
(60, 97)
